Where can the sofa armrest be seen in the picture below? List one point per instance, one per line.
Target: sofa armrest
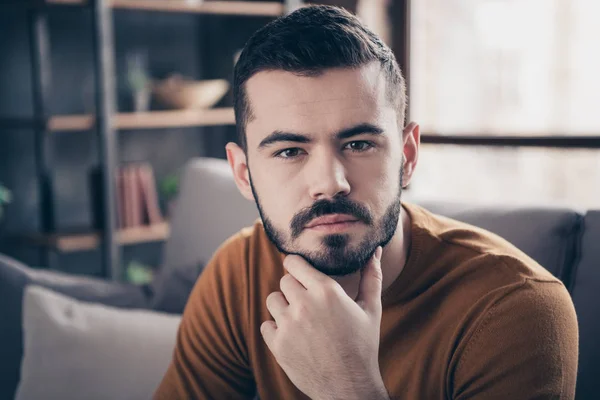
(96, 290)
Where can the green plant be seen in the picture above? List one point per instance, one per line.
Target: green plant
(5, 198)
(138, 78)
(138, 273)
(169, 186)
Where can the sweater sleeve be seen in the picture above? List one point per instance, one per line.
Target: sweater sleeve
(210, 359)
(524, 347)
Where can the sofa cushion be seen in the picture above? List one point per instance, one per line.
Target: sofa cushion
(172, 286)
(548, 235)
(15, 276)
(77, 350)
(584, 291)
(209, 209)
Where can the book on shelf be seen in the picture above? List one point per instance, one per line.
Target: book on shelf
(138, 203)
(129, 197)
(149, 194)
(120, 183)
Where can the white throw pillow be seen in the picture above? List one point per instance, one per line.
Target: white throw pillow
(77, 350)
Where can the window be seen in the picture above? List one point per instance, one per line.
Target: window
(506, 67)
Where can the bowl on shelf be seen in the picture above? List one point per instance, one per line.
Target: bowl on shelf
(177, 92)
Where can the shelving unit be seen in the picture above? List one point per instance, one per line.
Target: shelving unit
(107, 122)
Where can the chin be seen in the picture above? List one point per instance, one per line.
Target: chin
(339, 263)
(336, 255)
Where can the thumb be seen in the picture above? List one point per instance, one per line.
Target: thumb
(369, 289)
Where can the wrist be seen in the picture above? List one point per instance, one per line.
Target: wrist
(375, 390)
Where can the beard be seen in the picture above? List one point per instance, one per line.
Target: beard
(336, 257)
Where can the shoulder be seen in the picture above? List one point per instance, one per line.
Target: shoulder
(478, 271)
(472, 247)
(532, 302)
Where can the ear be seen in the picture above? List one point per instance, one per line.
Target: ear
(411, 141)
(239, 166)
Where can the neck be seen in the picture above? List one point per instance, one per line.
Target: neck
(393, 258)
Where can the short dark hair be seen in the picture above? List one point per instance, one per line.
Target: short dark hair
(307, 42)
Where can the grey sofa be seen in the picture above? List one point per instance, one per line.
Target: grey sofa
(209, 209)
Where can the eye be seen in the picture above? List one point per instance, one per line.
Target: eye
(289, 153)
(358, 145)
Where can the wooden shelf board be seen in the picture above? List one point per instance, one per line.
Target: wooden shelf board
(78, 242)
(263, 8)
(68, 2)
(173, 119)
(71, 123)
(246, 8)
(148, 120)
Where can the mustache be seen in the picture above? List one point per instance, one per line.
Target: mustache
(340, 205)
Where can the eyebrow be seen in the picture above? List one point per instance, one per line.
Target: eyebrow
(280, 136)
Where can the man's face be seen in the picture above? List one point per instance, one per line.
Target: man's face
(324, 156)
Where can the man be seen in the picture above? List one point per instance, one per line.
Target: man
(341, 291)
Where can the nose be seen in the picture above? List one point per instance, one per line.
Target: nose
(327, 177)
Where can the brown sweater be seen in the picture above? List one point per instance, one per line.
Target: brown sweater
(470, 317)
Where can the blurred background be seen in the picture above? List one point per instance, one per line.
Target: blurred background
(506, 93)
(523, 69)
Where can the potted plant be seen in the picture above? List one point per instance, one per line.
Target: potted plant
(5, 198)
(138, 80)
(169, 187)
(138, 273)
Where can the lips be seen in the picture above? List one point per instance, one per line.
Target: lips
(330, 220)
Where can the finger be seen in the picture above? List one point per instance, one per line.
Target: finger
(268, 329)
(291, 289)
(276, 304)
(369, 289)
(304, 273)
